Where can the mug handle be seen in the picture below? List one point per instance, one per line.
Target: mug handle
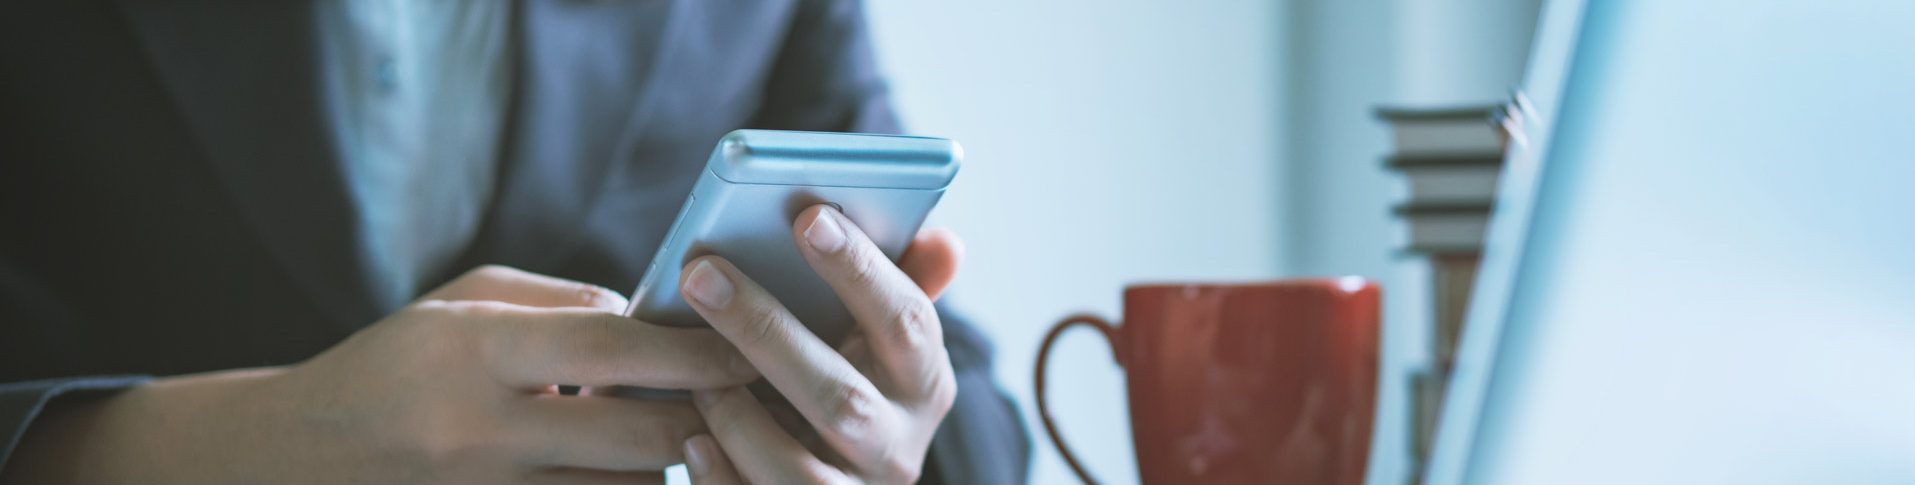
(1043, 357)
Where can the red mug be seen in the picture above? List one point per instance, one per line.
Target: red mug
(1243, 383)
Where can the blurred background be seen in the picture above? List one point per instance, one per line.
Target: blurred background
(1127, 141)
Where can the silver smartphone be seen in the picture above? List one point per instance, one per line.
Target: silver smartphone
(754, 186)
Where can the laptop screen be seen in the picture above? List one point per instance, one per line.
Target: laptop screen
(1703, 265)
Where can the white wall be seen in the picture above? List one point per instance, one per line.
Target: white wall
(1134, 140)
(1463, 51)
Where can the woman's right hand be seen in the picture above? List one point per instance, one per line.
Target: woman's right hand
(458, 387)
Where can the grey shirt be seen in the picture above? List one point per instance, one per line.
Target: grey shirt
(416, 92)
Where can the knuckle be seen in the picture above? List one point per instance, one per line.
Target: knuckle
(428, 306)
(762, 327)
(454, 331)
(489, 272)
(867, 267)
(851, 410)
(914, 327)
(465, 310)
(727, 363)
(597, 297)
(589, 295)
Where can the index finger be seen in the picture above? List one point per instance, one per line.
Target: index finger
(896, 315)
(847, 409)
(535, 347)
(519, 287)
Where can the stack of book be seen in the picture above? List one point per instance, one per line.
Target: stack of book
(1450, 159)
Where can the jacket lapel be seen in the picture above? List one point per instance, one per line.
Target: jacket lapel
(244, 77)
(579, 88)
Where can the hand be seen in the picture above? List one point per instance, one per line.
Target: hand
(456, 388)
(875, 401)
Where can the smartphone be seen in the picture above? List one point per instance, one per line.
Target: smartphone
(754, 186)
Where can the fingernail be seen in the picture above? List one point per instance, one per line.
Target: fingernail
(708, 285)
(825, 235)
(695, 456)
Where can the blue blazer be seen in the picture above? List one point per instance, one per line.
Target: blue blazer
(170, 203)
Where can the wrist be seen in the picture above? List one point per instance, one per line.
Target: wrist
(151, 433)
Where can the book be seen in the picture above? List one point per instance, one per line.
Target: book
(1449, 178)
(1445, 227)
(1452, 130)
